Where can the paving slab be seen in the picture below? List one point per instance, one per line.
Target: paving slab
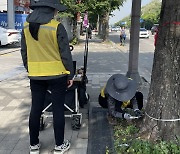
(15, 99)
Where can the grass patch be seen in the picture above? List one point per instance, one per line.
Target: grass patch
(126, 141)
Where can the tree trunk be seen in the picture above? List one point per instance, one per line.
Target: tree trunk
(105, 26)
(97, 24)
(74, 27)
(164, 94)
(100, 26)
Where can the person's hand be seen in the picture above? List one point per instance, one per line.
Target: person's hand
(69, 83)
(127, 116)
(138, 113)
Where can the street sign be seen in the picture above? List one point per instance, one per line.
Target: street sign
(123, 22)
(141, 20)
(85, 22)
(19, 20)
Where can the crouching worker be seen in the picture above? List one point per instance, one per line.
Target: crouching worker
(119, 94)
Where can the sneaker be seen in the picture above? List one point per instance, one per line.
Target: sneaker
(62, 148)
(34, 149)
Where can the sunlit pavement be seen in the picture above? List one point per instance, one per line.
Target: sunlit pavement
(103, 60)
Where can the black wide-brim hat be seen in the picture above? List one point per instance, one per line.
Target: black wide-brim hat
(121, 88)
(50, 3)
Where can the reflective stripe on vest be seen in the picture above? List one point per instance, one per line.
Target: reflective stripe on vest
(103, 91)
(125, 104)
(43, 55)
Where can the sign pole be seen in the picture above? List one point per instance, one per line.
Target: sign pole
(11, 14)
(134, 42)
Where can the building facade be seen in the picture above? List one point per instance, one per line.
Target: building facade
(16, 16)
(21, 6)
(3, 5)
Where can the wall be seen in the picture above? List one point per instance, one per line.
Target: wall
(20, 5)
(3, 5)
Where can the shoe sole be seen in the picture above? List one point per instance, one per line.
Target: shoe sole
(34, 152)
(57, 152)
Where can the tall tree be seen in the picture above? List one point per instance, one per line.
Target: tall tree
(97, 9)
(163, 107)
(107, 7)
(150, 13)
(74, 7)
(101, 9)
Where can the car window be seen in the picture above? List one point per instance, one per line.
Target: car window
(143, 29)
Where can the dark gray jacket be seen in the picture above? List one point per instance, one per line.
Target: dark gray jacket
(43, 15)
(112, 107)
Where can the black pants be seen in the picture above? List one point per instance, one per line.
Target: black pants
(38, 92)
(122, 39)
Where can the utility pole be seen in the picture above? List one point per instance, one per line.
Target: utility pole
(134, 42)
(10, 14)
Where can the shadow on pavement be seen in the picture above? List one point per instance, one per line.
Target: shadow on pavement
(103, 61)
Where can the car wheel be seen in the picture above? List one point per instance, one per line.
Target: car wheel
(17, 44)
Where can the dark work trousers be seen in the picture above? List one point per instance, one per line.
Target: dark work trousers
(38, 91)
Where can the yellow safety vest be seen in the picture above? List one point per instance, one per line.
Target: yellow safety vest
(125, 104)
(102, 91)
(43, 56)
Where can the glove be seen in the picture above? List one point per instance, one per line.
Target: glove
(127, 116)
(138, 113)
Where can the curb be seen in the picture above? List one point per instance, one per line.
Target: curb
(100, 132)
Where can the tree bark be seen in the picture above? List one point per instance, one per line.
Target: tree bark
(164, 94)
(74, 27)
(100, 26)
(105, 26)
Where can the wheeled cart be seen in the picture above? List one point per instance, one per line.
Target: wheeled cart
(71, 109)
(76, 96)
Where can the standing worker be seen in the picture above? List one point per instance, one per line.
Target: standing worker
(46, 56)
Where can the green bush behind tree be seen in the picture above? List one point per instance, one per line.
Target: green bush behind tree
(98, 12)
(149, 13)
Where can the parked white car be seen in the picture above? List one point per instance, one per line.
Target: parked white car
(9, 36)
(143, 33)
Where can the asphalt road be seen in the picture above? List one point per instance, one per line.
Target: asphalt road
(145, 45)
(10, 62)
(146, 52)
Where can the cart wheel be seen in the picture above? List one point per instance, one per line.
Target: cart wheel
(76, 122)
(42, 124)
(71, 47)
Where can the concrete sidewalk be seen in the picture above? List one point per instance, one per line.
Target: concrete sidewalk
(103, 61)
(14, 111)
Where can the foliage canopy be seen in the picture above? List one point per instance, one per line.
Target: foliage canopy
(149, 13)
(94, 7)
